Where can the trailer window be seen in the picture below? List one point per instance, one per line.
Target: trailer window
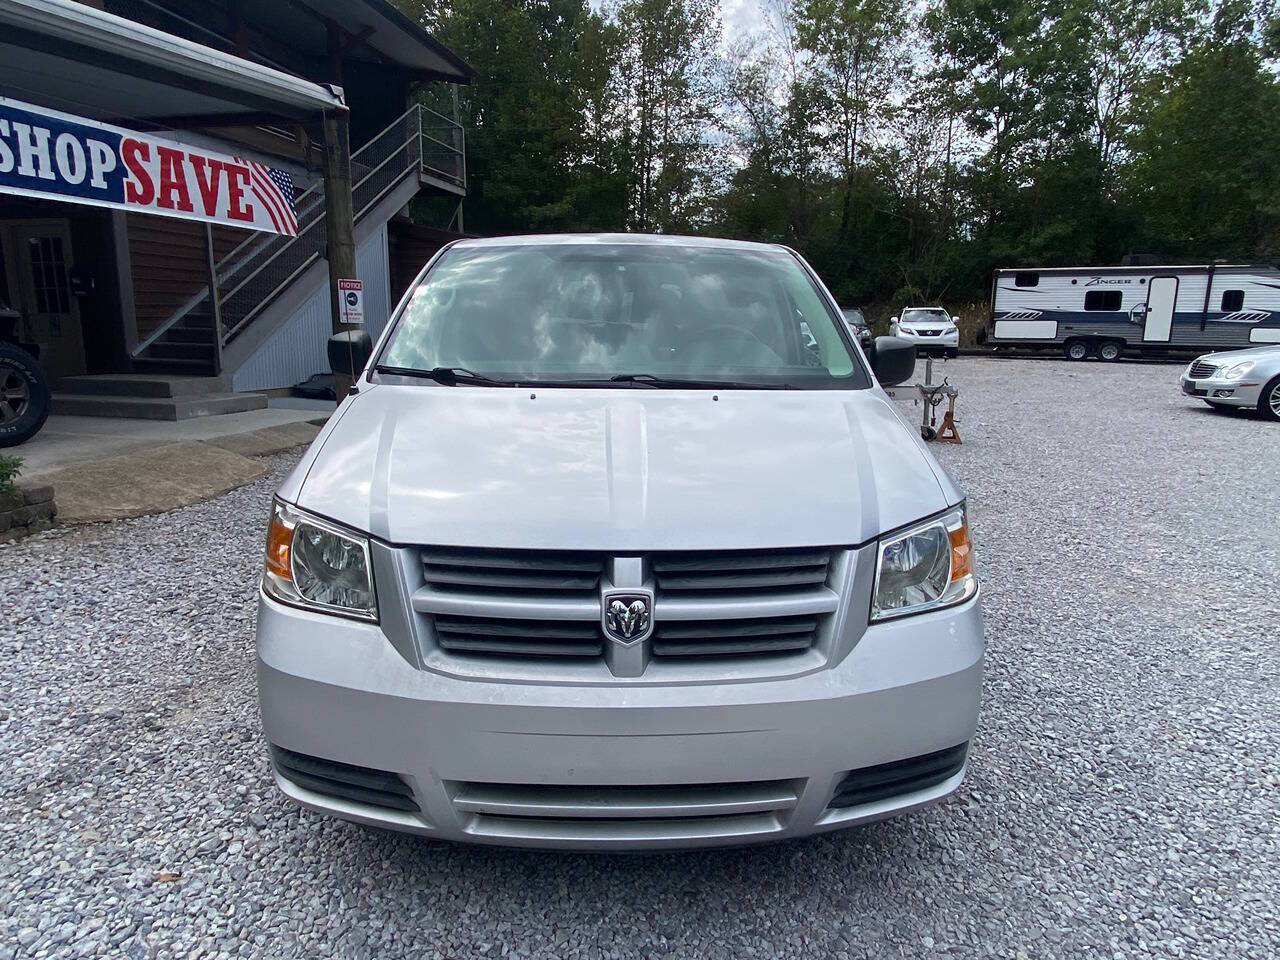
(1102, 300)
(1232, 300)
(1026, 278)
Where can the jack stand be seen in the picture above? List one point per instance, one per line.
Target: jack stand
(949, 433)
(933, 394)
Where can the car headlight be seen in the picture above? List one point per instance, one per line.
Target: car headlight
(317, 565)
(951, 329)
(1238, 371)
(924, 568)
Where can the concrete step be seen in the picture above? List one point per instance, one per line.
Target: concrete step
(156, 408)
(140, 385)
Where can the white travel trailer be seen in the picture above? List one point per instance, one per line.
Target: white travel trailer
(1108, 311)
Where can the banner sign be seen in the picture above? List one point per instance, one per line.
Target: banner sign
(56, 156)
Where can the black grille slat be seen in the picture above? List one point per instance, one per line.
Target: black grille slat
(538, 638)
(885, 780)
(1200, 370)
(347, 781)
(743, 581)
(761, 570)
(694, 629)
(725, 638)
(523, 580)
(540, 570)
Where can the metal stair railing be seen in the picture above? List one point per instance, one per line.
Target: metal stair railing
(258, 270)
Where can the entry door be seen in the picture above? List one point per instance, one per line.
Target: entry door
(38, 260)
(1162, 295)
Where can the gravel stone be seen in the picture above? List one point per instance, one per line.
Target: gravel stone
(1121, 801)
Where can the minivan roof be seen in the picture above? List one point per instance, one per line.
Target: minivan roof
(639, 239)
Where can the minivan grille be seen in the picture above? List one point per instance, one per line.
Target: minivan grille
(1201, 370)
(760, 570)
(540, 604)
(546, 571)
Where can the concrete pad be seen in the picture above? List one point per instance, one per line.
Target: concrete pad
(259, 443)
(153, 480)
(68, 440)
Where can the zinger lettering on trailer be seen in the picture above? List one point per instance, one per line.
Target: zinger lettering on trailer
(52, 155)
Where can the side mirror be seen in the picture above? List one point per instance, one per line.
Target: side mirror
(955, 320)
(893, 360)
(349, 351)
(893, 319)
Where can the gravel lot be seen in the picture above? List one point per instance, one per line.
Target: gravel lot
(1122, 800)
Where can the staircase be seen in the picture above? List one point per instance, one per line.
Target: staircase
(253, 275)
(150, 397)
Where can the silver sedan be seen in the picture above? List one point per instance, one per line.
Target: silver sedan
(1237, 378)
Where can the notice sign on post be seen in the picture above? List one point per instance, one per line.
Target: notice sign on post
(351, 296)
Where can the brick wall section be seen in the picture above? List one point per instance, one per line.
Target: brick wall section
(25, 511)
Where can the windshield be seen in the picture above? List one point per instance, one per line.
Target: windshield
(592, 311)
(854, 316)
(925, 315)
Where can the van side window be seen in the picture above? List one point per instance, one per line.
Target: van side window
(1102, 300)
(1026, 278)
(1232, 300)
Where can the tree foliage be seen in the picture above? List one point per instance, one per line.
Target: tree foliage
(905, 149)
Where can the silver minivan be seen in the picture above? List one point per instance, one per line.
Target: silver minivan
(618, 543)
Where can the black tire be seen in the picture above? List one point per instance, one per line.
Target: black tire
(928, 433)
(953, 353)
(1110, 351)
(24, 396)
(1076, 350)
(1269, 400)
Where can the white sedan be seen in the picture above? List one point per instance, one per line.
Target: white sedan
(931, 329)
(1237, 378)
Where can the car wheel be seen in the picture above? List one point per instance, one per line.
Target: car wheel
(1076, 349)
(1110, 350)
(928, 433)
(1269, 400)
(24, 396)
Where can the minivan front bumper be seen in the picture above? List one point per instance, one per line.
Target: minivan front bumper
(599, 766)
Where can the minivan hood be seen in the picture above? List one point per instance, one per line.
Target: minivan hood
(619, 469)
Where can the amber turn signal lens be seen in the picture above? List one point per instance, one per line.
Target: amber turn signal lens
(279, 542)
(961, 552)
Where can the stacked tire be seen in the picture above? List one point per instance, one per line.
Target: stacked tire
(24, 395)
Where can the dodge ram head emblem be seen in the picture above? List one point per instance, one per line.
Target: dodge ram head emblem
(627, 617)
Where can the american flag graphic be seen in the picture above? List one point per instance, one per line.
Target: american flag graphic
(273, 189)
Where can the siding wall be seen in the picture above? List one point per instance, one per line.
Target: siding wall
(167, 258)
(297, 350)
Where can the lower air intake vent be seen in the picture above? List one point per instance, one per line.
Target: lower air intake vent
(377, 788)
(901, 776)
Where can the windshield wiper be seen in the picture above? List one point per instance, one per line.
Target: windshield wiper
(449, 376)
(652, 380)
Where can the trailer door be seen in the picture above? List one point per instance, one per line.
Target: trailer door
(1162, 296)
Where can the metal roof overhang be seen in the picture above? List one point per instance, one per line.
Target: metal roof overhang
(72, 57)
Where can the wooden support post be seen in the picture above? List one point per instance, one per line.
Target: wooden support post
(215, 299)
(339, 217)
(339, 220)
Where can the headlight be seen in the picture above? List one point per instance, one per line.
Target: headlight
(1238, 371)
(317, 565)
(951, 329)
(924, 568)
